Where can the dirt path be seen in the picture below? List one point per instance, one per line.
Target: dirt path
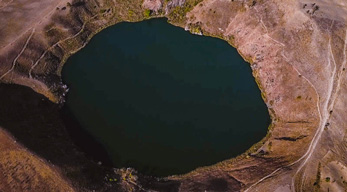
(31, 18)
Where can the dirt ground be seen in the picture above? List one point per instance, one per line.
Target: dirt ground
(297, 52)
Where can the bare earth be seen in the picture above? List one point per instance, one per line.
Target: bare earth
(297, 51)
(23, 171)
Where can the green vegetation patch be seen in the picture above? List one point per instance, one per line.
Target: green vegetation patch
(147, 13)
(178, 14)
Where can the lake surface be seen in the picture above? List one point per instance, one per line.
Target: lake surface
(162, 100)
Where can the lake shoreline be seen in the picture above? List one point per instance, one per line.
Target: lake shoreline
(126, 60)
(296, 78)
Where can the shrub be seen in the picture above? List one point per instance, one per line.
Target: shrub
(147, 13)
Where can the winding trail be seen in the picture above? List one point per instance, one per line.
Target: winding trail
(278, 169)
(57, 44)
(323, 115)
(326, 107)
(20, 53)
(34, 24)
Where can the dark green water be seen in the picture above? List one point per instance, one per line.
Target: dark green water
(162, 100)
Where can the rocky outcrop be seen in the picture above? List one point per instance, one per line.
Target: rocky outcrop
(296, 49)
(153, 5)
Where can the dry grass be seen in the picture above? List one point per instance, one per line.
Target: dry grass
(23, 171)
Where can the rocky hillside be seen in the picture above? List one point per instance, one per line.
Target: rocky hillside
(296, 49)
